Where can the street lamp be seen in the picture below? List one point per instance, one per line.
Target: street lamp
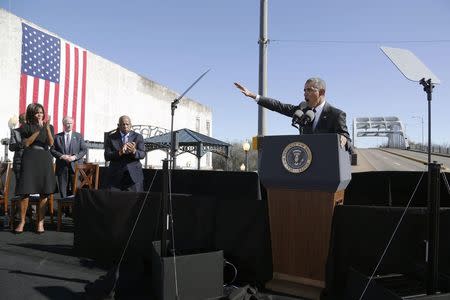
(243, 167)
(421, 120)
(246, 147)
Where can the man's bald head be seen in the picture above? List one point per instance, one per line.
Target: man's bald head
(124, 124)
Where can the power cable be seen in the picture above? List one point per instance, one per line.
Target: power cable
(174, 255)
(359, 42)
(116, 277)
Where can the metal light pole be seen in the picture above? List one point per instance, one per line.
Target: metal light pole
(246, 147)
(262, 78)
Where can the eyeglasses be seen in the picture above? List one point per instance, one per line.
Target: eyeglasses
(310, 90)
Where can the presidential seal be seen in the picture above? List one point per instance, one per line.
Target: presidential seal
(296, 157)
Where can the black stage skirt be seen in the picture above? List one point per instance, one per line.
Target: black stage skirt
(36, 174)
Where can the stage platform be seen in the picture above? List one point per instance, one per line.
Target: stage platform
(44, 266)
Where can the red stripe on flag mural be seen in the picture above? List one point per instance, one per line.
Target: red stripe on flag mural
(83, 92)
(73, 76)
(46, 92)
(66, 81)
(55, 107)
(35, 90)
(23, 94)
(75, 91)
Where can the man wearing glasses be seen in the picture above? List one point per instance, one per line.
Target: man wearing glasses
(327, 118)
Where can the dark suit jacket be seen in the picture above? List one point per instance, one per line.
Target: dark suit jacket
(332, 119)
(127, 162)
(77, 147)
(16, 145)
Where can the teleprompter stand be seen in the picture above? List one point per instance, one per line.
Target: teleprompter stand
(433, 287)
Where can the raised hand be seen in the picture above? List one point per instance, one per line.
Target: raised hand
(47, 123)
(245, 91)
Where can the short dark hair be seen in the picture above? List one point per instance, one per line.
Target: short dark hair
(318, 83)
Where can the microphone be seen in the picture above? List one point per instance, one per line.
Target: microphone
(299, 113)
(306, 118)
(296, 117)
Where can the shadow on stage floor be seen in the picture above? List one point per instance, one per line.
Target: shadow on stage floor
(44, 266)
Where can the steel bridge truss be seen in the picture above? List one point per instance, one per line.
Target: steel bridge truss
(390, 127)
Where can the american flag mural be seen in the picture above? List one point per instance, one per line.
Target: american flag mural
(53, 73)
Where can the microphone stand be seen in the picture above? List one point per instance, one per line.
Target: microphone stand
(300, 128)
(300, 124)
(434, 170)
(165, 214)
(174, 104)
(295, 123)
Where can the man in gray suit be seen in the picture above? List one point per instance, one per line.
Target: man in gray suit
(327, 119)
(69, 148)
(124, 149)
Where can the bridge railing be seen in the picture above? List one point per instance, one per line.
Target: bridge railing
(436, 149)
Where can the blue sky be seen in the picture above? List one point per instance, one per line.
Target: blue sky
(173, 42)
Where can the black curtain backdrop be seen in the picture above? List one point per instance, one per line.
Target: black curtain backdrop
(222, 184)
(212, 211)
(221, 211)
(391, 189)
(361, 233)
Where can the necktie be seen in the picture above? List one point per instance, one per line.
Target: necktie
(67, 142)
(124, 139)
(315, 121)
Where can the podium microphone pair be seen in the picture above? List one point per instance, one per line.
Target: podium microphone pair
(300, 118)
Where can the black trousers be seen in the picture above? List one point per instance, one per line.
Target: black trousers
(65, 182)
(127, 184)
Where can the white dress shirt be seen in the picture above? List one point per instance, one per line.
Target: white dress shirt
(317, 114)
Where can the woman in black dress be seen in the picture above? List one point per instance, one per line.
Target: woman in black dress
(36, 174)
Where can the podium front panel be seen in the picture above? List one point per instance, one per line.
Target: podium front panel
(328, 168)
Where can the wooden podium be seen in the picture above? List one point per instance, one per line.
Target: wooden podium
(305, 177)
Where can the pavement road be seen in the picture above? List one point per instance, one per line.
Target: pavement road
(376, 159)
(444, 160)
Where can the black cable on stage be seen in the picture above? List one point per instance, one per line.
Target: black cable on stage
(174, 255)
(116, 273)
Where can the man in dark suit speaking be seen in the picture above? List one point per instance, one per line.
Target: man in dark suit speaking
(124, 149)
(69, 149)
(327, 118)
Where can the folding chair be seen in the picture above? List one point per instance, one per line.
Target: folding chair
(85, 176)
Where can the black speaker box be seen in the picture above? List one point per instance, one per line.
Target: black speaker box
(199, 275)
(388, 287)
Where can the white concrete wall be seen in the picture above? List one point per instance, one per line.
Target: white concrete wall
(111, 91)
